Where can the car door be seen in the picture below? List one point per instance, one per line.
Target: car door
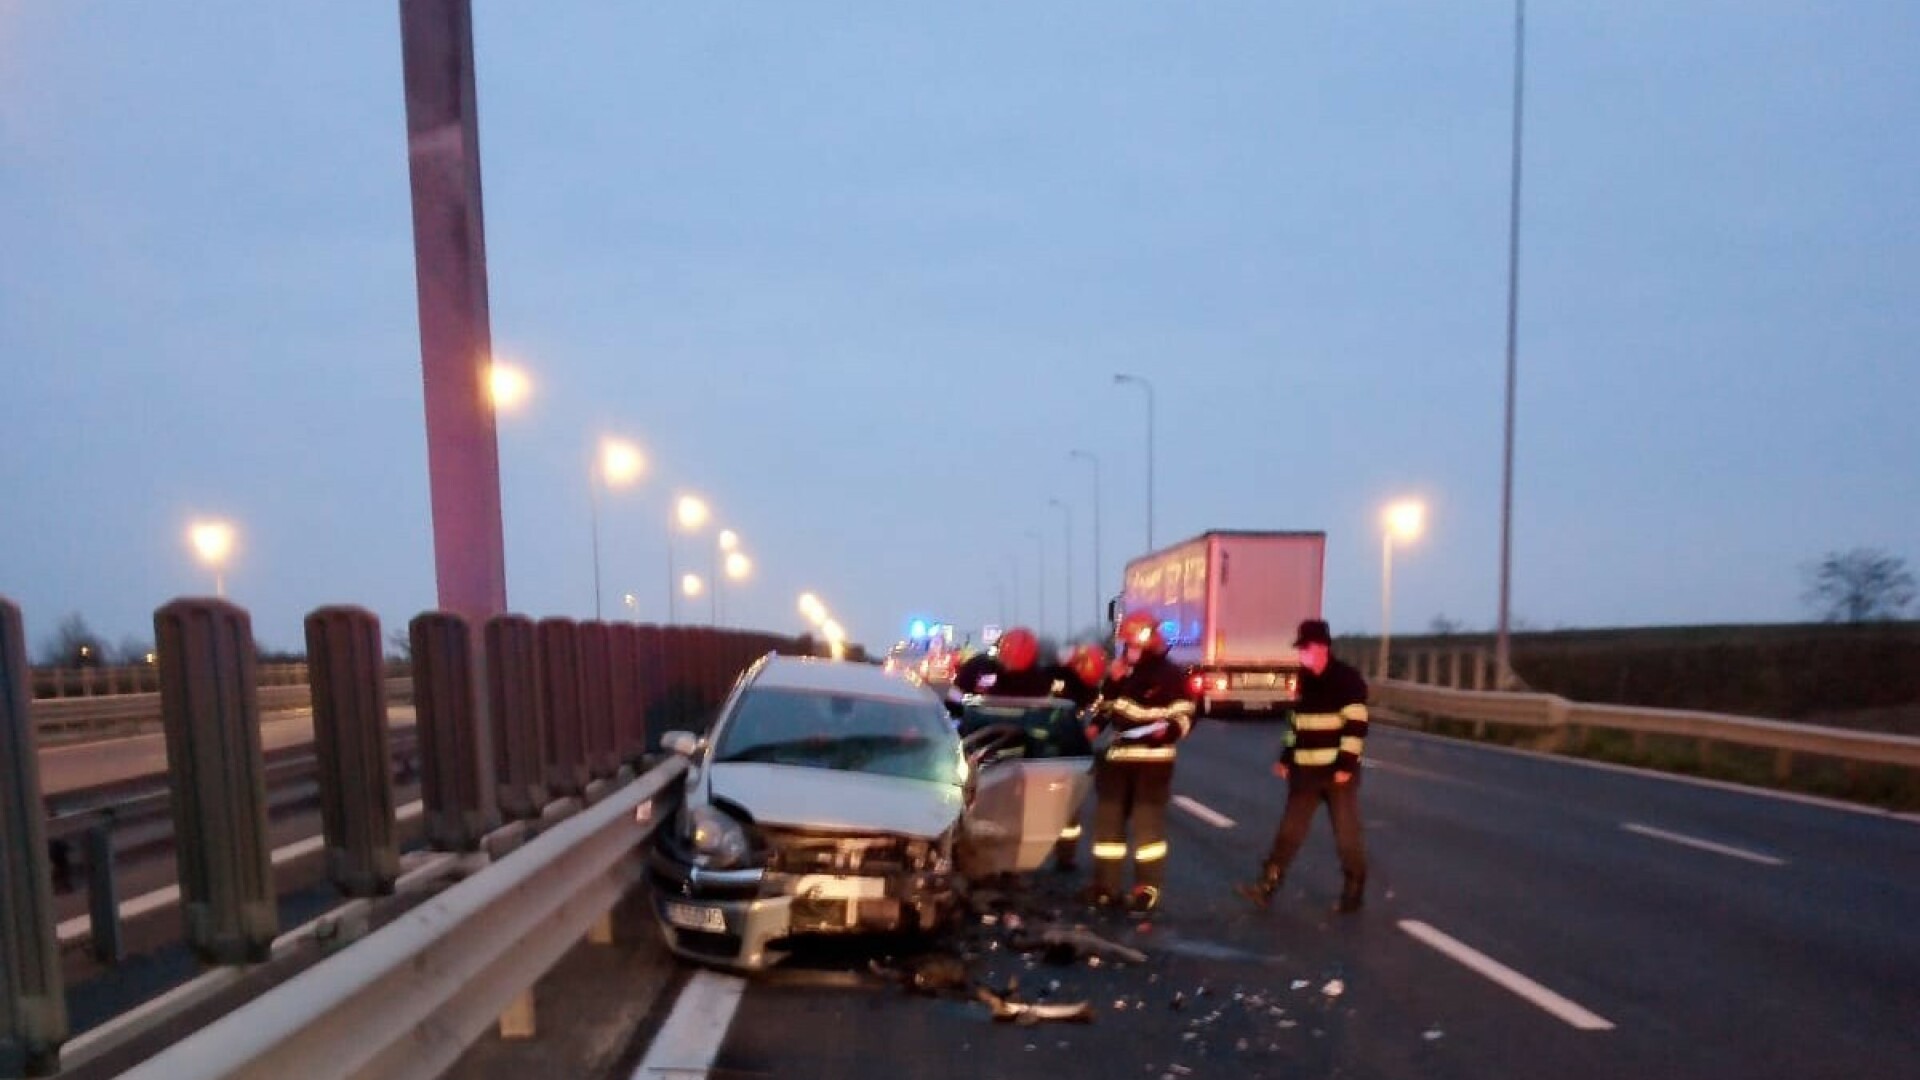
(1032, 768)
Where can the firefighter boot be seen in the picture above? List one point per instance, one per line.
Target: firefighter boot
(1260, 893)
(1352, 890)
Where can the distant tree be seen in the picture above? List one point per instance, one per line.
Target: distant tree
(1860, 585)
(73, 644)
(1441, 626)
(400, 645)
(132, 650)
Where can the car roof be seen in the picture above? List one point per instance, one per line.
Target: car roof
(815, 675)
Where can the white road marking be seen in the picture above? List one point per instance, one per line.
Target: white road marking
(690, 1040)
(1205, 813)
(1703, 845)
(80, 927)
(1506, 977)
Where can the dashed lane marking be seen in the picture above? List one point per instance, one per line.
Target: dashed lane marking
(690, 1040)
(1506, 977)
(1703, 845)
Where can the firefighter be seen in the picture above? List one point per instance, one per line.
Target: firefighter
(1320, 761)
(1145, 703)
(1021, 674)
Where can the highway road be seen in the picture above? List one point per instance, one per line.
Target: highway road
(74, 766)
(1527, 916)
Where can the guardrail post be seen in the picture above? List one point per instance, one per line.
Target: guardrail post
(565, 754)
(346, 674)
(596, 698)
(513, 697)
(629, 723)
(103, 894)
(210, 707)
(455, 766)
(33, 1000)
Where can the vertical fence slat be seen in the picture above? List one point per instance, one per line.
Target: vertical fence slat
(210, 708)
(33, 1002)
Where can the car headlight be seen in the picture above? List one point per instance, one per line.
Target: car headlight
(719, 842)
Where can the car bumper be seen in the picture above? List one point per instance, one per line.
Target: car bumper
(740, 918)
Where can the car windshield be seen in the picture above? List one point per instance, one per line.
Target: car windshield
(843, 731)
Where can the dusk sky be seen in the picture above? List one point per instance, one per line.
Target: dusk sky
(862, 273)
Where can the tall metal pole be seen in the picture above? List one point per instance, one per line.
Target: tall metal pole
(1066, 559)
(1013, 568)
(1040, 580)
(1099, 598)
(1148, 387)
(450, 271)
(1386, 602)
(673, 584)
(593, 503)
(1502, 652)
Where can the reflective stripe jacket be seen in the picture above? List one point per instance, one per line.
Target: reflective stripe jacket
(1329, 723)
(1155, 690)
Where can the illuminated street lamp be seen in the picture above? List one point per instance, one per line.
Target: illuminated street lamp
(692, 585)
(507, 385)
(836, 638)
(213, 542)
(1404, 520)
(690, 514)
(735, 564)
(812, 609)
(620, 463)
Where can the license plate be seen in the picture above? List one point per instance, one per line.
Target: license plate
(697, 917)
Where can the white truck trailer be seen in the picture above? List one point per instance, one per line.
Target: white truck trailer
(1229, 603)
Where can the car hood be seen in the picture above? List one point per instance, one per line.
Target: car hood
(797, 797)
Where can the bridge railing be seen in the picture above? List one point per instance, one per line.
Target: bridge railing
(1564, 725)
(526, 786)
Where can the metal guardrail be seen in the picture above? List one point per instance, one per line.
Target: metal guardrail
(104, 716)
(59, 683)
(408, 999)
(1567, 720)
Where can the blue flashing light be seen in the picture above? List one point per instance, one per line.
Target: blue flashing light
(917, 629)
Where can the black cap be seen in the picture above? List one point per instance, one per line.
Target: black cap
(1313, 632)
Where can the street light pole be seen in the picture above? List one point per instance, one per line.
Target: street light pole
(1040, 580)
(593, 504)
(1148, 387)
(1501, 653)
(1066, 560)
(1099, 599)
(1405, 520)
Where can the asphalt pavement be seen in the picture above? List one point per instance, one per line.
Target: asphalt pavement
(1526, 916)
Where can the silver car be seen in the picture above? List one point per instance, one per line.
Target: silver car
(834, 798)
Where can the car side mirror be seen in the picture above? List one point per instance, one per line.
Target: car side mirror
(684, 743)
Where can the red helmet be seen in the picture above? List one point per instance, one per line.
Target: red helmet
(1018, 649)
(1142, 629)
(1089, 662)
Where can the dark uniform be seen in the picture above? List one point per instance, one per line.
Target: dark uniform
(1133, 779)
(1326, 740)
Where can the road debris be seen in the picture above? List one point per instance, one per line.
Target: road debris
(1026, 1012)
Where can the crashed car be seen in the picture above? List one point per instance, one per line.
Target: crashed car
(833, 798)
